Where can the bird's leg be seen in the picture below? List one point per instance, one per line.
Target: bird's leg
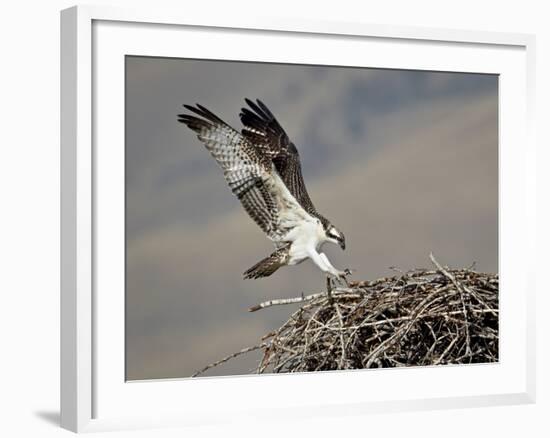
(329, 289)
(324, 264)
(340, 276)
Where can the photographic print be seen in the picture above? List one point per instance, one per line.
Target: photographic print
(304, 218)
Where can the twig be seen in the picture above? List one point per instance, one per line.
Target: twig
(231, 356)
(451, 345)
(301, 299)
(342, 342)
(460, 288)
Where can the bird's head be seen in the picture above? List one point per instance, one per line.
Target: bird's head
(334, 235)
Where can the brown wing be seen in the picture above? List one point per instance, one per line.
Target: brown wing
(248, 173)
(263, 130)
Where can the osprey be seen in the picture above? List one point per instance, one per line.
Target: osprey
(262, 167)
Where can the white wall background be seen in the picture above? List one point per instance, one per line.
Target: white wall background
(29, 219)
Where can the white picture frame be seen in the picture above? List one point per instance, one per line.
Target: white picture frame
(94, 396)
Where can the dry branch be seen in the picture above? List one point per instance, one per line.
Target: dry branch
(419, 317)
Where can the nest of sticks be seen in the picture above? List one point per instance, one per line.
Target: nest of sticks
(416, 318)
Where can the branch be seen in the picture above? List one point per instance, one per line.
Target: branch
(460, 289)
(282, 301)
(231, 356)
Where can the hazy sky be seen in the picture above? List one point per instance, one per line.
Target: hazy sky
(403, 162)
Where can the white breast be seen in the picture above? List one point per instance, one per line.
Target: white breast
(306, 238)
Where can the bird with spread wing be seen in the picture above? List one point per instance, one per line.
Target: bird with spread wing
(262, 167)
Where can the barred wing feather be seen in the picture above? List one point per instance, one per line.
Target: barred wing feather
(250, 174)
(264, 130)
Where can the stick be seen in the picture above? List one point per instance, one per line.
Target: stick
(283, 301)
(342, 363)
(460, 289)
(231, 356)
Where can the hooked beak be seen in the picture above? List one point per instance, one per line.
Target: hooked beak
(342, 244)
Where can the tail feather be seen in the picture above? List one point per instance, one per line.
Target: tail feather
(267, 266)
